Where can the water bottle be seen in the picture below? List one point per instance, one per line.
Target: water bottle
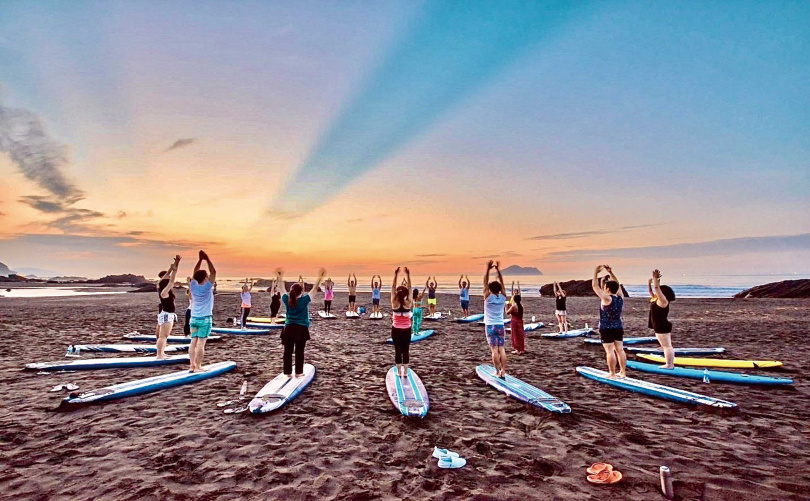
(666, 482)
(586, 325)
(533, 320)
(706, 376)
(244, 389)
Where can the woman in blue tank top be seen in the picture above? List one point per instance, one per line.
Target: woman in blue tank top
(611, 326)
(464, 294)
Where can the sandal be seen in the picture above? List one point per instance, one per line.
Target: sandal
(605, 477)
(599, 468)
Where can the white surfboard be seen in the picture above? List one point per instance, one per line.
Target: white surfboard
(281, 391)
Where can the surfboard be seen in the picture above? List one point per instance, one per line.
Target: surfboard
(433, 318)
(506, 321)
(530, 327)
(375, 316)
(415, 338)
(323, 314)
(150, 384)
(123, 348)
(717, 362)
(267, 320)
(678, 351)
(709, 376)
(281, 391)
(170, 339)
(472, 318)
(654, 390)
(569, 334)
(519, 390)
(627, 340)
(352, 314)
(408, 394)
(242, 332)
(254, 325)
(105, 363)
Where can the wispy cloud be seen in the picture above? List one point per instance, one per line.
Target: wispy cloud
(431, 255)
(723, 247)
(181, 143)
(498, 256)
(583, 234)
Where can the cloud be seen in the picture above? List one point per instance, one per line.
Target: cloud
(71, 219)
(498, 256)
(723, 247)
(43, 204)
(431, 255)
(181, 143)
(583, 234)
(39, 157)
(121, 214)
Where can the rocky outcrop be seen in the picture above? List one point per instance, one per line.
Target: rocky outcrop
(119, 279)
(574, 288)
(4, 271)
(782, 290)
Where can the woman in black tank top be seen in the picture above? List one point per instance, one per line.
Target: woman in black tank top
(560, 310)
(167, 316)
(661, 296)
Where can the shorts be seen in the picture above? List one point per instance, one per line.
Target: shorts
(432, 301)
(465, 305)
(202, 325)
(496, 335)
(375, 302)
(352, 299)
(561, 313)
(611, 335)
(165, 317)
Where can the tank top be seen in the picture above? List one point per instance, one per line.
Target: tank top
(431, 293)
(493, 309)
(330, 294)
(166, 303)
(561, 303)
(658, 319)
(375, 293)
(610, 316)
(276, 299)
(465, 294)
(401, 318)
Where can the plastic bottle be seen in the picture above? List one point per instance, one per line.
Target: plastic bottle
(706, 376)
(244, 389)
(666, 482)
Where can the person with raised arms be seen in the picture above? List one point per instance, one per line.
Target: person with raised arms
(376, 293)
(464, 294)
(329, 295)
(660, 297)
(246, 302)
(560, 310)
(431, 285)
(187, 323)
(202, 310)
(352, 283)
(167, 315)
(401, 305)
(295, 335)
(515, 309)
(416, 318)
(494, 305)
(275, 299)
(611, 325)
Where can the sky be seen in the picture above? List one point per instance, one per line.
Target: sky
(362, 135)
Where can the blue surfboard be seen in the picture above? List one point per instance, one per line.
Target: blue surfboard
(627, 340)
(519, 390)
(415, 338)
(569, 334)
(407, 394)
(709, 376)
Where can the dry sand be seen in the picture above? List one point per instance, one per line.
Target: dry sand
(343, 439)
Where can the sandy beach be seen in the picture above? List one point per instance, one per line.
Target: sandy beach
(343, 439)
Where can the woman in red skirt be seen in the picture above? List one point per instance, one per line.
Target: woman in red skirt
(518, 335)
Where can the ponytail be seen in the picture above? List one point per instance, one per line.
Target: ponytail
(402, 295)
(295, 292)
(519, 305)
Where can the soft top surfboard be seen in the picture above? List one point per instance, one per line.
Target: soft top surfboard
(472, 318)
(678, 351)
(281, 391)
(506, 321)
(627, 340)
(105, 363)
(415, 338)
(408, 394)
(433, 318)
(170, 339)
(375, 316)
(352, 314)
(524, 392)
(569, 334)
(242, 332)
(530, 327)
(717, 362)
(654, 390)
(254, 325)
(323, 314)
(150, 384)
(267, 320)
(709, 376)
(123, 348)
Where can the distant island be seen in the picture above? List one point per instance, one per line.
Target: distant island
(520, 270)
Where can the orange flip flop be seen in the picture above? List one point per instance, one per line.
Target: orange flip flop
(605, 477)
(599, 467)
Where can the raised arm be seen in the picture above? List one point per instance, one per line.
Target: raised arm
(650, 288)
(469, 284)
(212, 272)
(394, 287)
(459, 281)
(172, 275)
(314, 290)
(659, 294)
(486, 279)
(595, 284)
(613, 277)
(500, 277)
(199, 263)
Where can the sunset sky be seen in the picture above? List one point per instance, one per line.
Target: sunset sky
(358, 135)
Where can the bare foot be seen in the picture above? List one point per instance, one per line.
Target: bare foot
(611, 375)
(667, 366)
(299, 376)
(622, 375)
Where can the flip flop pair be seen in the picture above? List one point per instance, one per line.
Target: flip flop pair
(603, 473)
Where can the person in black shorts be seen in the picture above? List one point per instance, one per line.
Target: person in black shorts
(352, 293)
(661, 296)
(560, 311)
(611, 326)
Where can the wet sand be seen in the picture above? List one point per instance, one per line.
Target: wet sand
(343, 439)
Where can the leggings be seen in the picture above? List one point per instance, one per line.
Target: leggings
(297, 346)
(187, 324)
(327, 305)
(402, 344)
(417, 320)
(274, 307)
(245, 313)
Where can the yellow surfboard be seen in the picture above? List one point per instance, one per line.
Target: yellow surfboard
(265, 320)
(716, 362)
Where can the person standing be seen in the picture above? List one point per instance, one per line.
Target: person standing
(401, 324)
(376, 293)
(295, 335)
(275, 300)
(661, 296)
(416, 318)
(431, 285)
(464, 294)
(611, 325)
(202, 310)
(187, 323)
(560, 310)
(246, 302)
(352, 292)
(329, 295)
(515, 309)
(167, 316)
(494, 305)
